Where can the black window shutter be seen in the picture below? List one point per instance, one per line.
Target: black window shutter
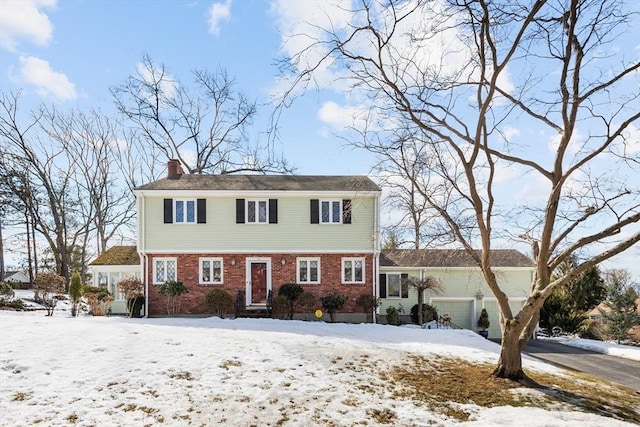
(273, 211)
(239, 211)
(346, 211)
(168, 211)
(315, 211)
(404, 286)
(202, 211)
(383, 285)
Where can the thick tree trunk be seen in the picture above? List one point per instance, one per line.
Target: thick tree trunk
(510, 361)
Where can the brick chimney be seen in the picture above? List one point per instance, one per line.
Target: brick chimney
(174, 170)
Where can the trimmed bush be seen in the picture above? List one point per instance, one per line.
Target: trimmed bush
(333, 302)
(6, 293)
(280, 307)
(75, 292)
(368, 303)
(429, 313)
(172, 290)
(99, 300)
(219, 301)
(392, 315)
(291, 291)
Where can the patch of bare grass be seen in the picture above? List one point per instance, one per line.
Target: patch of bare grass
(446, 383)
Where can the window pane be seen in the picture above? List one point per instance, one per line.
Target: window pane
(179, 211)
(251, 211)
(171, 270)
(217, 271)
(325, 212)
(191, 211)
(304, 277)
(262, 211)
(357, 271)
(393, 285)
(160, 271)
(336, 212)
(313, 271)
(206, 271)
(348, 271)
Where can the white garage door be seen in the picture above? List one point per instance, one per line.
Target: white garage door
(461, 312)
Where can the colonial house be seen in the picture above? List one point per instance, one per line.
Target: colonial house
(464, 291)
(112, 265)
(249, 234)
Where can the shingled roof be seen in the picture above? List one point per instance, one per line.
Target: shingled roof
(118, 255)
(232, 182)
(450, 258)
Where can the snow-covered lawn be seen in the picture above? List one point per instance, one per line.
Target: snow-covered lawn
(99, 371)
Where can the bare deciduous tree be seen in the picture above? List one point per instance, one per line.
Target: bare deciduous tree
(466, 77)
(204, 126)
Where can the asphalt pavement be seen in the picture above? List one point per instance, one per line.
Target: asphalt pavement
(615, 369)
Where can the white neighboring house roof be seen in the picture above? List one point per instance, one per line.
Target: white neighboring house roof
(15, 277)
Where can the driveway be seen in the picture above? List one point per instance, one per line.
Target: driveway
(614, 369)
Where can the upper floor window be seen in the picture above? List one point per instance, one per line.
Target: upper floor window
(330, 211)
(185, 211)
(257, 211)
(352, 270)
(211, 271)
(308, 270)
(164, 269)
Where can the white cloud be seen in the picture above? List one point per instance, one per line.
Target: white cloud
(151, 75)
(218, 12)
(38, 72)
(341, 117)
(575, 143)
(25, 20)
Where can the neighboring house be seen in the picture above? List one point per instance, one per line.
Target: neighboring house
(249, 234)
(465, 292)
(17, 279)
(596, 316)
(112, 265)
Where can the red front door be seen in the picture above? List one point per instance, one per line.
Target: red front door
(258, 283)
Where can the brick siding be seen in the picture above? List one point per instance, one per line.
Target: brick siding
(235, 279)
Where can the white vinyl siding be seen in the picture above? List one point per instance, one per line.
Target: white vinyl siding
(164, 269)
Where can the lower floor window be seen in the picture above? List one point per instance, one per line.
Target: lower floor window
(394, 286)
(353, 270)
(210, 270)
(164, 269)
(308, 270)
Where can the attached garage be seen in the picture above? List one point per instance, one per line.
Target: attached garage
(461, 311)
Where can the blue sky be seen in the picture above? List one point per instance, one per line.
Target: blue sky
(69, 53)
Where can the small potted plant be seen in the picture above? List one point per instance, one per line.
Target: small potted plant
(483, 323)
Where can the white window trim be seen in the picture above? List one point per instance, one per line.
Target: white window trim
(308, 259)
(353, 270)
(399, 285)
(257, 202)
(330, 201)
(175, 211)
(212, 281)
(165, 260)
